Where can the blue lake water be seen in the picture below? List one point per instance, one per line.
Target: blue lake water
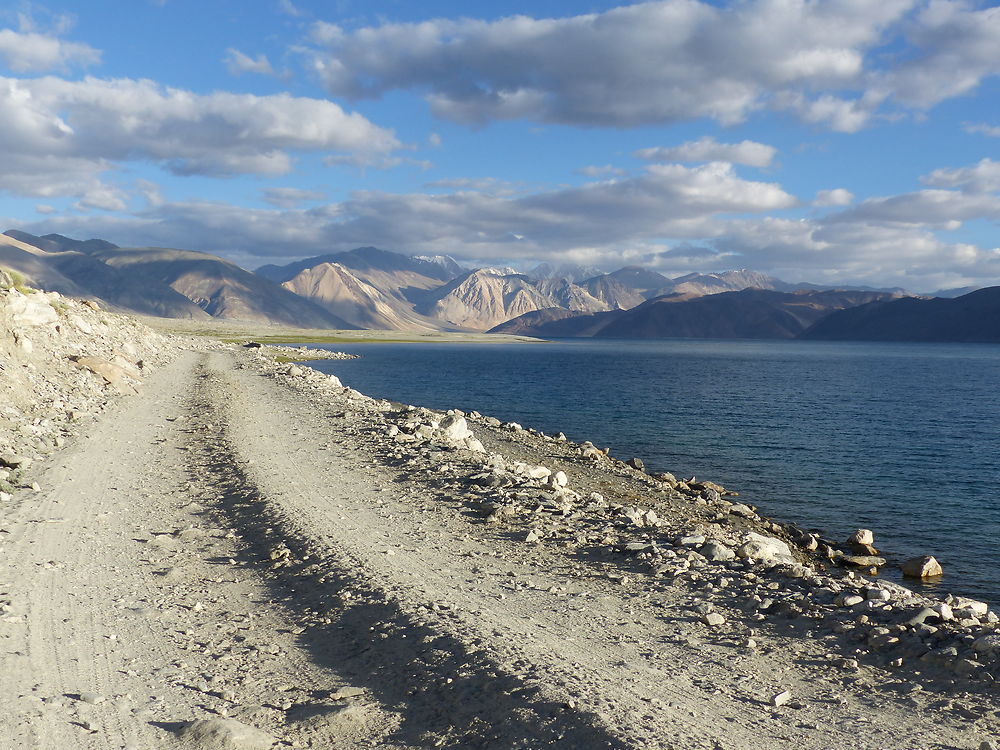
(903, 439)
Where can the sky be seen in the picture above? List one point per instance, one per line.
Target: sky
(831, 141)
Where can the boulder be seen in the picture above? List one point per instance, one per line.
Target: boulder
(636, 463)
(30, 309)
(766, 549)
(862, 536)
(716, 551)
(114, 374)
(455, 428)
(922, 567)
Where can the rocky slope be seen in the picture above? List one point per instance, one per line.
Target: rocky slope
(972, 317)
(481, 299)
(61, 361)
(336, 289)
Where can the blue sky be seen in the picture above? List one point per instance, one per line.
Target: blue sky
(840, 141)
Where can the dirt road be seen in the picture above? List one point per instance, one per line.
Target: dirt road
(223, 545)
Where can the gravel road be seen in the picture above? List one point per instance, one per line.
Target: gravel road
(227, 547)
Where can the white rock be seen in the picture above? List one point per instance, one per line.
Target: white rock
(781, 698)
(766, 549)
(455, 428)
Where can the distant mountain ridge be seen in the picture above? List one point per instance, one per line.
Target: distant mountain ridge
(368, 287)
(746, 314)
(972, 318)
(162, 282)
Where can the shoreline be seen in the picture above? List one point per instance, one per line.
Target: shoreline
(233, 332)
(807, 549)
(835, 503)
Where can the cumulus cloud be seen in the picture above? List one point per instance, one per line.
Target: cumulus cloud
(945, 209)
(238, 63)
(982, 177)
(30, 50)
(287, 197)
(953, 47)
(836, 64)
(707, 148)
(835, 197)
(653, 62)
(102, 197)
(667, 200)
(62, 134)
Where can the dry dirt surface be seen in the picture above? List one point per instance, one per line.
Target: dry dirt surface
(244, 556)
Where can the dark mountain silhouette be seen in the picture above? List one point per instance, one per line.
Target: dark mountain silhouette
(973, 317)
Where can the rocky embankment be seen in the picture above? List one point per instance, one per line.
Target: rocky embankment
(61, 363)
(750, 569)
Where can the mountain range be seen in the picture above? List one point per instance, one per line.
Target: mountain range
(373, 288)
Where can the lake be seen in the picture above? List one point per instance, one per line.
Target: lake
(903, 439)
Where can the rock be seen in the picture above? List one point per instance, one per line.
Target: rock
(848, 600)
(335, 381)
(944, 611)
(717, 551)
(742, 510)
(455, 428)
(765, 549)
(224, 734)
(114, 374)
(960, 603)
(988, 745)
(532, 536)
(92, 698)
(781, 698)
(559, 479)
(474, 444)
(987, 644)
(30, 309)
(14, 461)
(863, 537)
(862, 561)
(636, 463)
(713, 619)
(922, 567)
(921, 616)
(294, 371)
(878, 595)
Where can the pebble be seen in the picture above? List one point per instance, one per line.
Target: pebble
(781, 698)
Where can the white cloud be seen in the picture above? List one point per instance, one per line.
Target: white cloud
(287, 197)
(653, 62)
(32, 51)
(707, 148)
(983, 129)
(238, 63)
(44, 208)
(102, 197)
(835, 197)
(434, 140)
(601, 170)
(60, 135)
(953, 47)
(945, 209)
(983, 177)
